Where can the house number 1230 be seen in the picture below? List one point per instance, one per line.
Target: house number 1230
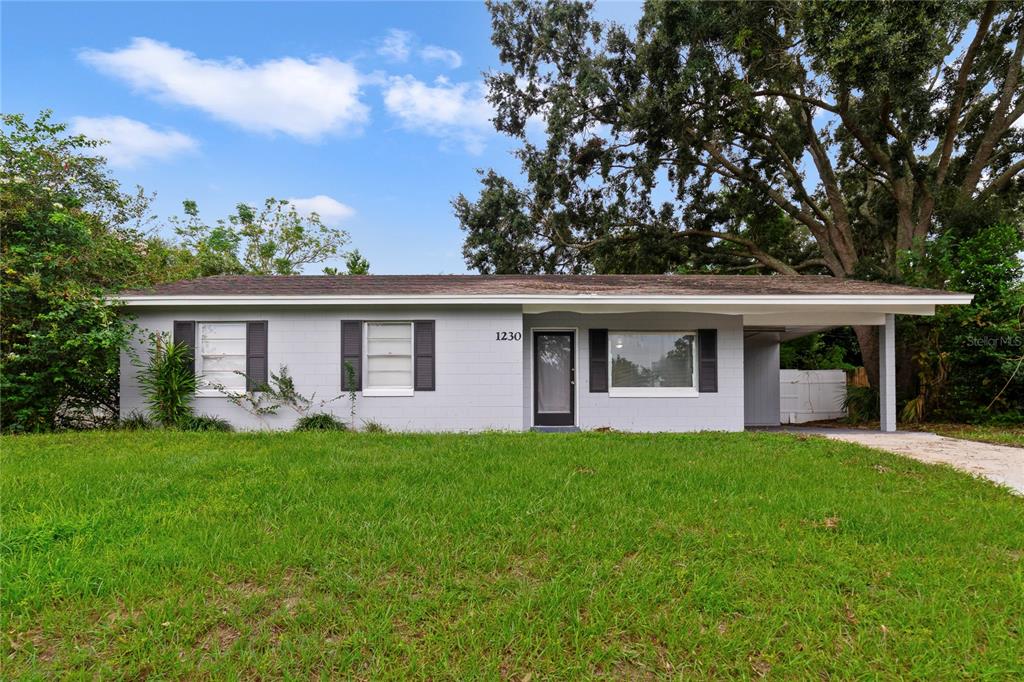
(508, 336)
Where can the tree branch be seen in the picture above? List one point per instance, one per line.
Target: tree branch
(838, 229)
(740, 174)
(756, 252)
(1012, 117)
(811, 263)
(873, 150)
(796, 182)
(1003, 179)
(753, 250)
(960, 90)
(982, 157)
(834, 108)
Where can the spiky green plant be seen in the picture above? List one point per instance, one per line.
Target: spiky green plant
(861, 404)
(168, 382)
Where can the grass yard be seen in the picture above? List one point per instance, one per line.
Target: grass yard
(501, 556)
(1000, 435)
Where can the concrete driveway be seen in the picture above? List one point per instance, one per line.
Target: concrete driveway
(1000, 463)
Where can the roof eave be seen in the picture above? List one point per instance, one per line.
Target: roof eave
(886, 301)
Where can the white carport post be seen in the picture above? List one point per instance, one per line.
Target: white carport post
(887, 372)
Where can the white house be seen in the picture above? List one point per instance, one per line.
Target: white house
(472, 352)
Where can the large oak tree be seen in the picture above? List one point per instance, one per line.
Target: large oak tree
(788, 137)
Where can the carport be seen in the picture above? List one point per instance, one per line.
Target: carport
(765, 331)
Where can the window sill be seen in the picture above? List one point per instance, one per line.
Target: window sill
(214, 393)
(653, 393)
(209, 393)
(388, 392)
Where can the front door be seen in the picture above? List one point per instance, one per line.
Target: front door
(554, 378)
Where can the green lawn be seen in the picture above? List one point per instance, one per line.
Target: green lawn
(1000, 435)
(501, 556)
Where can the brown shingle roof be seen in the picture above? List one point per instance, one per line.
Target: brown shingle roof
(526, 285)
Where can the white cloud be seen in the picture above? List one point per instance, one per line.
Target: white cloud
(130, 142)
(451, 111)
(305, 99)
(433, 53)
(331, 211)
(395, 45)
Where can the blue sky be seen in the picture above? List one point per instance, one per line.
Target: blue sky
(370, 112)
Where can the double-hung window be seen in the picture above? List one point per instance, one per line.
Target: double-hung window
(652, 364)
(220, 358)
(389, 356)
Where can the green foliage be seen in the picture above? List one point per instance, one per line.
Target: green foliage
(273, 240)
(771, 136)
(501, 233)
(168, 382)
(281, 389)
(880, 48)
(320, 421)
(259, 403)
(269, 398)
(862, 404)
(135, 421)
(372, 426)
(68, 235)
(351, 380)
(214, 248)
(355, 264)
(204, 422)
(823, 350)
(974, 355)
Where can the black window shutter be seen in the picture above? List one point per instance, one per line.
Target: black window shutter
(185, 333)
(255, 355)
(423, 362)
(598, 360)
(707, 354)
(352, 353)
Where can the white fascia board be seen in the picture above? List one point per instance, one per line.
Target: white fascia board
(824, 319)
(788, 310)
(543, 303)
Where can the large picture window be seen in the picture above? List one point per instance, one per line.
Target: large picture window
(220, 360)
(388, 359)
(652, 364)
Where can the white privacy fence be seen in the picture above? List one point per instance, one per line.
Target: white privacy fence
(811, 395)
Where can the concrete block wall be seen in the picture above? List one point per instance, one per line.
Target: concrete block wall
(721, 411)
(478, 379)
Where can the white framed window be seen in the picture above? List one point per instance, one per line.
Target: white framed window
(388, 359)
(652, 364)
(220, 356)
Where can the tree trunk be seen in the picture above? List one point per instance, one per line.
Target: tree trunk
(867, 339)
(906, 366)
